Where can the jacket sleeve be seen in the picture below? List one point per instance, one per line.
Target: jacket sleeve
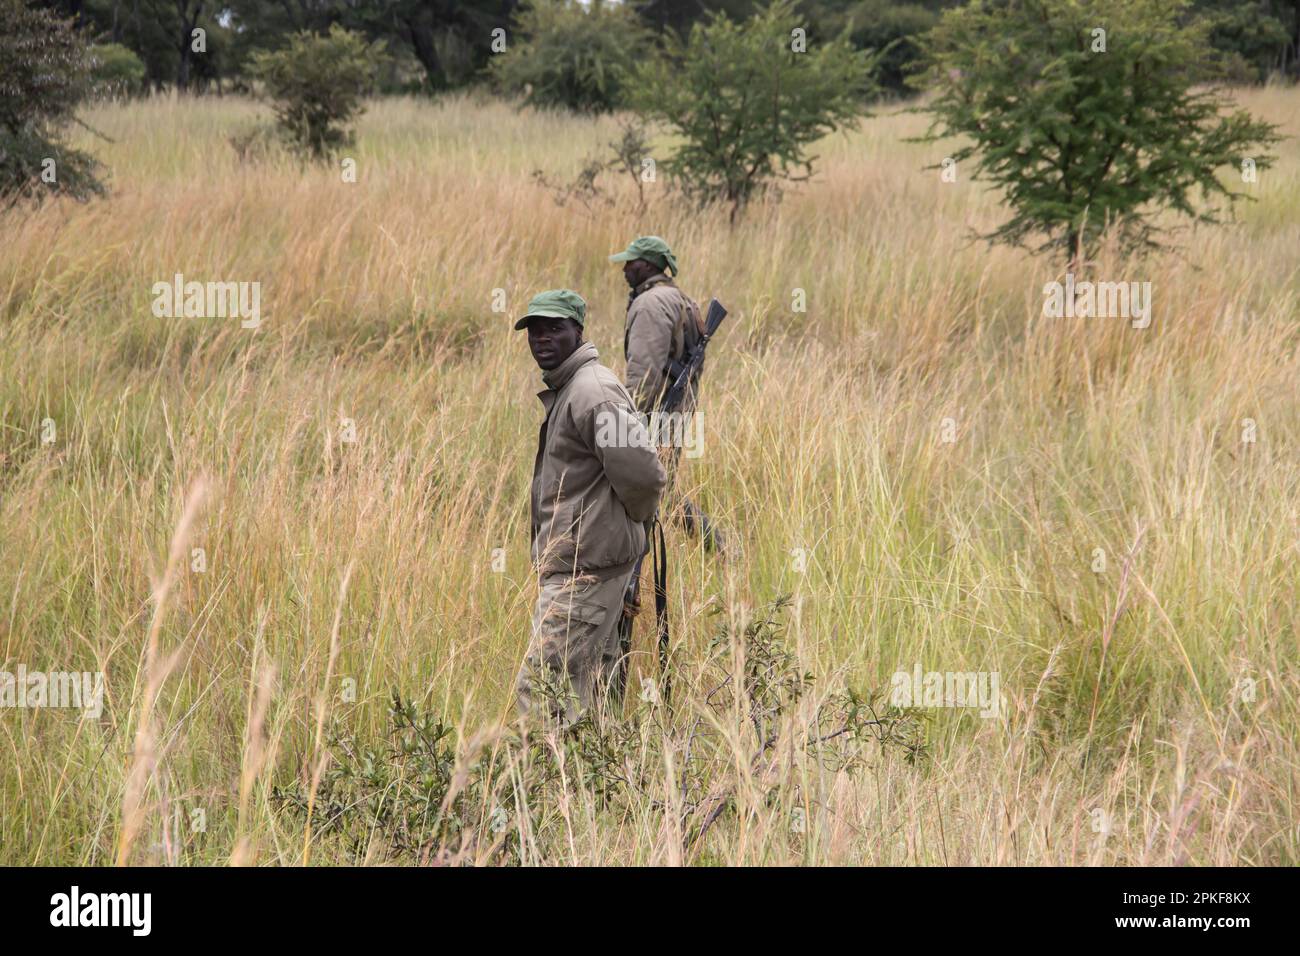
(649, 346)
(630, 459)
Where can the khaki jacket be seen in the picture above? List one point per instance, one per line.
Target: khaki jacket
(596, 478)
(654, 334)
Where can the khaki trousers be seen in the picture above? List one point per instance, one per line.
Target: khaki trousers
(574, 646)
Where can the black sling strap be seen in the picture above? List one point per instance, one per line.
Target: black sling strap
(661, 605)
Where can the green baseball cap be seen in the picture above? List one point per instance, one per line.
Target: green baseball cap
(650, 248)
(556, 304)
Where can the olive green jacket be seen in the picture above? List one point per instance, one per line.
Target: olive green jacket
(653, 336)
(597, 478)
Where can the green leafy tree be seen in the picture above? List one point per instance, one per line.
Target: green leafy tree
(748, 99)
(572, 55)
(316, 84)
(115, 70)
(44, 76)
(188, 16)
(161, 33)
(1251, 39)
(1086, 131)
(149, 28)
(452, 39)
(889, 26)
(678, 15)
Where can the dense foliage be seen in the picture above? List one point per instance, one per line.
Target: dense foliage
(572, 55)
(44, 75)
(442, 44)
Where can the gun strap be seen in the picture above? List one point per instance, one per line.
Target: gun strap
(661, 605)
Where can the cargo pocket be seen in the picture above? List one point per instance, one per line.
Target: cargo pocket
(588, 613)
(568, 607)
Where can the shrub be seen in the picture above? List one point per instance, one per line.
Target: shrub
(571, 55)
(750, 722)
(115, 70)
(44, 75)
(1087, 131)
(747, 102)
(623, 155)
(316, 84)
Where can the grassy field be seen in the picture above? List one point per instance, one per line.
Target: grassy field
(921, 459)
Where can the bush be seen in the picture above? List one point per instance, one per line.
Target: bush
(747, 104)
(571, 55)
(44, 75)
(316, 84)
(1085, 139)
(751, 723)
(115, 70)
(893, 28)
(623, 155)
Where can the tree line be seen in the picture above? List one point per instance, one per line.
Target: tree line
(436, 45)
(1090, 116)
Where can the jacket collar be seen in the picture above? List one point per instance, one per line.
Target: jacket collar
(559, 376)
(657, 279)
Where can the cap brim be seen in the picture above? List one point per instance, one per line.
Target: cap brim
(543, 314)
(623, 257)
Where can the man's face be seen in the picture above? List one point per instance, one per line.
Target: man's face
(637, 271)
(552, 340)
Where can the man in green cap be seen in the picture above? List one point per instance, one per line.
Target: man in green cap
(663, 325)
(596, 481)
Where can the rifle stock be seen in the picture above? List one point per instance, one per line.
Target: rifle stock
(672, 400)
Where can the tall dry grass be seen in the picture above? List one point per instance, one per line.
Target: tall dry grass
(370, 562)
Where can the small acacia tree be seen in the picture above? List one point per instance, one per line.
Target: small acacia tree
(44, 75)
(1089, 115)
(749, 98)
(316, 84)
(572, 55)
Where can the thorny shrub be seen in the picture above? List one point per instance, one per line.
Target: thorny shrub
(429, 798)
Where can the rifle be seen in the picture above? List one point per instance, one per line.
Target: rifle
(671, 401)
